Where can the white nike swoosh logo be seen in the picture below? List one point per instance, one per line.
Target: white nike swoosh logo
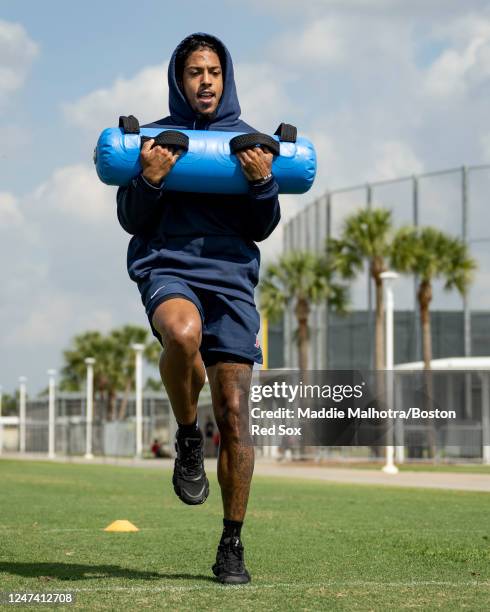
(152, 296)
(197, 495)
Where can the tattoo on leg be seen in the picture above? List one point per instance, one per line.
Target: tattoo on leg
(230, 387)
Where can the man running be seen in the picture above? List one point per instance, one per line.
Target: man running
(194, 258)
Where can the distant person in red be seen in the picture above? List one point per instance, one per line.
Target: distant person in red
(216, 440)
(156, 449)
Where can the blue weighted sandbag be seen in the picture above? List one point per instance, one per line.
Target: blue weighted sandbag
(208, 165)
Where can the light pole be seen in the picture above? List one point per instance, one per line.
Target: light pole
(51, 414)
(388, 278)
(485, 416)
(89, 362)
(138, 349)
(22, 413)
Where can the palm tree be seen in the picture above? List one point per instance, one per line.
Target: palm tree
(10, 403)
(302, 278)
(123, 359)
(153, 384)
(430, 254)
(366, 236)
(114, 363)
(88, 344)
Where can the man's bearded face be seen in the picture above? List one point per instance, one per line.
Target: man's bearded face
(202, 80)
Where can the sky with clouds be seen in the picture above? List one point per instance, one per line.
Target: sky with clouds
(383, 88)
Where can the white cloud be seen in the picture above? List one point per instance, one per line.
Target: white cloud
(485, 146)
(395, 159)
(361, 44)
(10, 215)
(51, 314)
(320, 43)
(15, 140)
(466, 61)
(263, 95)
(56, 314)
(445, 77)
(66, 271)
(144, 95)
(327, 156)
(272, 247)
(77, 191)
(17, 52)
(394, 8)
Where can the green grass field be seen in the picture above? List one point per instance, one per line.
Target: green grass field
(309, 545)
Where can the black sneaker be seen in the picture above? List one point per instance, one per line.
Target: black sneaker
(190, 482)
(230, 567)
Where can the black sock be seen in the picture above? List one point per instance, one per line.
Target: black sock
(188, 430)
(231, 529)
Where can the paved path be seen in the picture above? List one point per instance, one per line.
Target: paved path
(431, 480)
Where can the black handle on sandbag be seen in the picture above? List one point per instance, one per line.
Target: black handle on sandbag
(169, 138)
(248, 141)
(286, 132)
(130, 124)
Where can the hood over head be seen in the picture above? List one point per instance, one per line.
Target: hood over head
(228, 111)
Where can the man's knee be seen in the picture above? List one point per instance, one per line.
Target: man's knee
(180, 332)
(183, 337)
(230, 388)
(231, 413)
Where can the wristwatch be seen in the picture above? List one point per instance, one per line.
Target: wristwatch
(262, 180)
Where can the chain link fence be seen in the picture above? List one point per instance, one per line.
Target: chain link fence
(115, 438)
(453, 200)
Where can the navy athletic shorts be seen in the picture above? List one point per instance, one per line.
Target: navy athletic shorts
(230, 326)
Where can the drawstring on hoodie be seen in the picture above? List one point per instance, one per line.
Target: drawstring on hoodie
(204, 127)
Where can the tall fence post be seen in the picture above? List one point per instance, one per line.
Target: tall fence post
(22, 413)
(369, 206)
(317, 308)
(138, 349)
(289, 245)
(485, 416)
(51, 414)
(464, 231)
(388, 278)
(326, 319)
(468, 408)
(89, 362)
(415, 219)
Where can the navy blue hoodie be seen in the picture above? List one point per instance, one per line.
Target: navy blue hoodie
(206, 239)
